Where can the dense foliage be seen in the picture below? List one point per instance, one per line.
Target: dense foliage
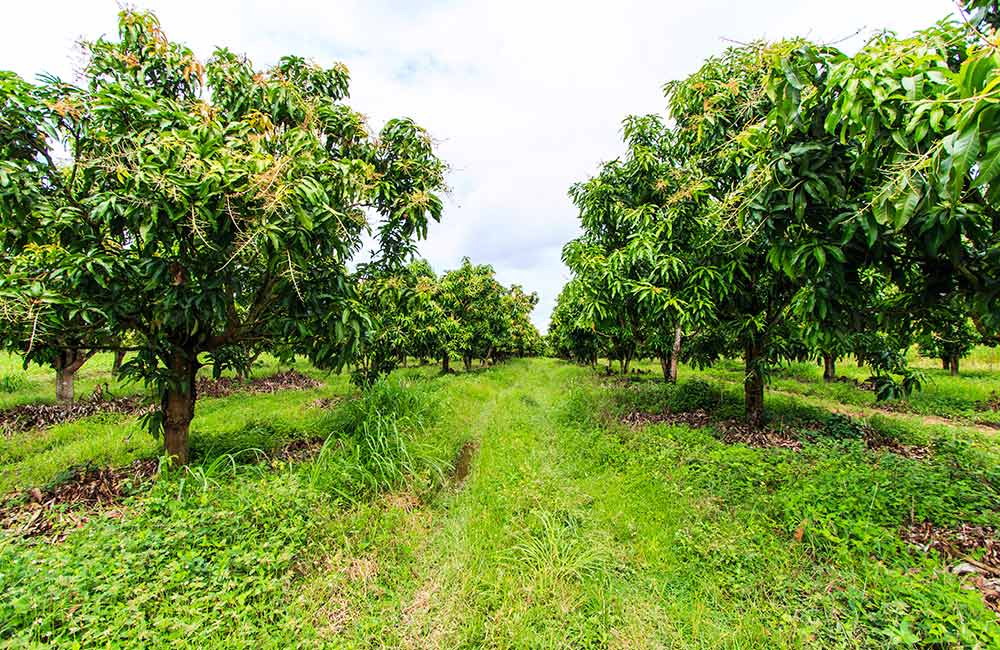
(466, 312)
(801, 203)
(207, 209)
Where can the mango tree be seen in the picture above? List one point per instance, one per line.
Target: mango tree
(569, 337)
(206, 207)
(640, 260)
(472, 300)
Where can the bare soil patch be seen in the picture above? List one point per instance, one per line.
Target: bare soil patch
(463, 463)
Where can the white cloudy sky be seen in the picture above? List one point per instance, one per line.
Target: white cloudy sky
(525, 97)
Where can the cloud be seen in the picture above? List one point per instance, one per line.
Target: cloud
(524, 97)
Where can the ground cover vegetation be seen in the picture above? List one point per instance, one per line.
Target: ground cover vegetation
(781, 429)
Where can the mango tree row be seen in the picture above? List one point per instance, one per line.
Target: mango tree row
(798, 203)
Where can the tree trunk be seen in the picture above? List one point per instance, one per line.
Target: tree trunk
(675, 354)
(945, 363)
(64, 385)
(178, 406)
(117, 365)
(954, 366)
(445, 361)
(753, 386)
(467, 362)
(829, 367)
(665, 365)
(66, 364)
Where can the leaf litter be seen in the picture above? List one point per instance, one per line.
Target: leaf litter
(28, 417)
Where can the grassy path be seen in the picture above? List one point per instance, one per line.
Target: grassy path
(561, 537)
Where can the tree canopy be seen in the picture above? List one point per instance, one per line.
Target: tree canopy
(203, 207)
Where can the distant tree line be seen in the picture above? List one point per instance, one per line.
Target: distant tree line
(465, 314)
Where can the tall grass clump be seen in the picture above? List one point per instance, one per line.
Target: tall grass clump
(373, 446)
(12, 382)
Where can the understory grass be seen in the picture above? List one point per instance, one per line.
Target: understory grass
(572, 530)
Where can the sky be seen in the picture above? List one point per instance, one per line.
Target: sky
(523, 97)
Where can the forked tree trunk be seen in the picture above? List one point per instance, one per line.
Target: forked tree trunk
(753, 386)
(66, 365)
(178, 406)
(953, 366)
(829, 367)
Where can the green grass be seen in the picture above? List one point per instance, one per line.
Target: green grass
(570, 531)
(221, 425)
(959, 397)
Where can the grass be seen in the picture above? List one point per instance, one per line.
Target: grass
(963, 397)
(571, 530)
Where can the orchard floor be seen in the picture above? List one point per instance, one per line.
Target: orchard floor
(507, 507)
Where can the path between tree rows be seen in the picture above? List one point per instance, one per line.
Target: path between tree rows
(559, 537)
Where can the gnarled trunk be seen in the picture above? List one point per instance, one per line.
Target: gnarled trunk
(178, 406)
(829, 367)
(753, 386)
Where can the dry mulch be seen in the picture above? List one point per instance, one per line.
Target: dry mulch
(696, 419)
(733, 431)
(53, 511)
(299, 450)
(879, 442)
(225, 386)
(961, 544)
(326, 402)
(27, 417)
(990, 404)
(736, 431)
